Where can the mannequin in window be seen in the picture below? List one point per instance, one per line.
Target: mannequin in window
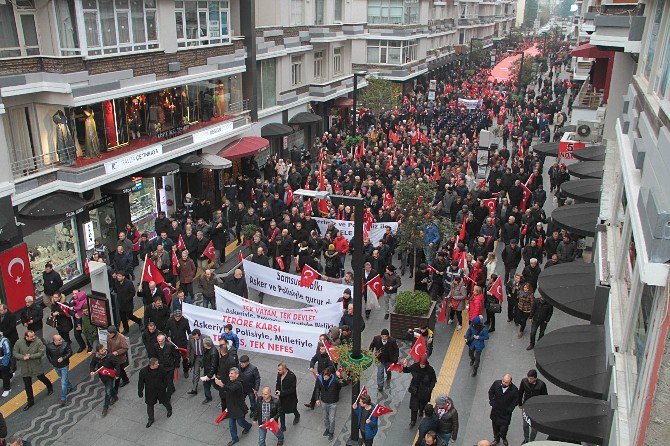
(64, 140)
(207, 105)
(92, 145)
(219, 100)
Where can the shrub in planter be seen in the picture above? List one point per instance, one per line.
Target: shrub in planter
(355, 369)
(412, 309)
(413, 303)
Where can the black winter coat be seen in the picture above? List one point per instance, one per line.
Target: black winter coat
(210, 362)
(502, 404)
(8, 327)
(168, 356)
(234, 394)
(423, 380)
(153, 383)
(288, 398)
(125, 294)
(178, 330)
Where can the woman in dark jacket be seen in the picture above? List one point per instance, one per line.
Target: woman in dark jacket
(61, 316)
(421, 386)
(447, 419)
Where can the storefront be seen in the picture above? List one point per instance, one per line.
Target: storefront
(143, 205)
(304, 130)
(203, 176)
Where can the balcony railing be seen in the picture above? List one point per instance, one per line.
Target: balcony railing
(588, 97)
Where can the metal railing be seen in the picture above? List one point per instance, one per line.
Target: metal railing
(28, 166)
(588, 97)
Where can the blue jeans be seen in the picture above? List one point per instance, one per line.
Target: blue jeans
(110, 391)
(381, 371)
(262, 434)
(65, 385)
(233, 422)
(446, 437)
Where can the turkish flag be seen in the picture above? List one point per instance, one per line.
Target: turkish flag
(308, 276)
(540, 241)
(308, 207)
(280, 262)
(136, 245)
(496, 289)
(289, 196)
(87, 270)
(397, 367)
(175, 263)
(442, 317)
(323, 206)
(151, 272)
(322, 179)
(491, 203)
(526, 195)
(168, 291)
(180, 243)
(240, 256)
(419, 348)
(209, 251)
(333, 353)
(66, 309)
(388, 199)
(430, 269)
(16, 276)
(436, 174)
(463, 232)
(364, 391)
(380, 410)
(106, 371)
(271, 425)
(375, 285)
(222, 416)
(393, 137)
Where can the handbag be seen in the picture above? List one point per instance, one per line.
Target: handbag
(454, 304)
(52, 321)
(493, 305)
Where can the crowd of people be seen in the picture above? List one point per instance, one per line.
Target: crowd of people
(432, 139)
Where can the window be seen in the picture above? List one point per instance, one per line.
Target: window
(641, 326)
(19, 35)
(267, 83)
(202, 22)
(652, 39)
(296, 70)
(391, 52)
(337, 60)
(297, 12)
(120, 26)
(318, 12)
(664, 73)
(338, 10)
(397, 12)
(318, 64)
(67, 27)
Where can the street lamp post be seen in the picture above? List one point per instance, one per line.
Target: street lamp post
(355, 97)
(357, 264)
(520, 73)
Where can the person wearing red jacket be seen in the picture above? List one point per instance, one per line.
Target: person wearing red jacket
(476, 303)
(342, 248)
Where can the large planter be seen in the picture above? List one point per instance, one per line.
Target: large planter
(400, 323)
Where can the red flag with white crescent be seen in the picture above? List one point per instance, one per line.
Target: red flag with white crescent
(491, 203)
(280, 262)
(308, 276)
(175, 263)
(210, 251)
(87, 269)
(375, 285)
(496, 289)
(150, 272)
(332, 351)
(526, 196)
(222, 416)
(462, 234)
(289, 196)
(395, 367)
(380, 410)
(442, 317)
(388, 199)
(419, 348)
(271, 425)
(180, 243)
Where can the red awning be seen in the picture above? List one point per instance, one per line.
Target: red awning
(591, 51)
(246, 146)
(344, 102)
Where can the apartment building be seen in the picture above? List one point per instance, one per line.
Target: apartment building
(113, 110)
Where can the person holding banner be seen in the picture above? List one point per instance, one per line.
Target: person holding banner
(367, 423)
(269, 408)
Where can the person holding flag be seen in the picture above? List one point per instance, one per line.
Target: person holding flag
(421, 386)
(492, 301)
(235, 406)
(328, 386)
(268, 412)
(368, 424)
(387, 352)
(106, 366)
(475, 339)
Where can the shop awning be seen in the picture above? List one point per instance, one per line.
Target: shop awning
(566, 128)
(52, 205)
(275, 129)
(304, 118)
(190, 163)
(246, 146)
(587, 169)
(570, 417)
(119, 187)
(586, 191)
(570, 287)
(580, 219)
(214, 162)
(574, 359)
(161, 170)
(546, 148)
(591, 153)
(344, 102)
(589, 51)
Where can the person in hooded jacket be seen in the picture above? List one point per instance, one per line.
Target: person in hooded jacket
(447, 417)
(475, 339)
(328, 386)
(421, 386)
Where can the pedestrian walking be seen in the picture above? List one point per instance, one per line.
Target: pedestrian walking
(285, 389)
(152, 385)
(29, 352)
(210, 364)
(475, 339)
(117, 345)
(525, 306)
(106, 366)
(328, 386)
(58, 354)
(321, 360)
(387, 352)
(390, 283)
(447, 417)
(503, 398)
(427, 424)
(125, 297)
(421, 386)
(540, 316)
(9, 331)
(206, 282)
(178, 330)
(367, 424)
(168, 357)
(60, 317)
(268, 408)
(251, 380)
(194, 352)
(235, 405)
(456, 300)
(31, 317)
(530, 386)
(5, 364)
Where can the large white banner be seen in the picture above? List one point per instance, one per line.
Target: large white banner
(470, 103)
(256, 335)
(347, 228)
(281, 284)
(323, 317)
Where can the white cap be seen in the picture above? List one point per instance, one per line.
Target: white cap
(188, 195)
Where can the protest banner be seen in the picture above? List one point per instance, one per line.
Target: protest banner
(346, 227)
(256, 335)
(470, 104)
(281, 284)
(323, 317)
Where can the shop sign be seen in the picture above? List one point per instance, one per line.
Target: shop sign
(171, 133)
(16, 276)
(98, 307)
(92, 205)
(213, 132)
(134, 160)
(89, 235)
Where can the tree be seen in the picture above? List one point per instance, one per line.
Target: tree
(380, 94)
(530, 13)
(529, 72)
(414, 199)
(564, 8)
(479, 56)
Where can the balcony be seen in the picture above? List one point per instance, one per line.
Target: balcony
(588, 97)
(623, 32)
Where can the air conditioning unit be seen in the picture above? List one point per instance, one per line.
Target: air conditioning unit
(589, 131)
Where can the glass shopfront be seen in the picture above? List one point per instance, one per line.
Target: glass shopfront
(147, 118)
(103, 222)
(58, 244)
(143, 205)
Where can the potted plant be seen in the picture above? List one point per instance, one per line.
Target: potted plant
(412, 309)
(354, 369)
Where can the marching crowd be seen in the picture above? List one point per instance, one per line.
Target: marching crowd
(501, 219)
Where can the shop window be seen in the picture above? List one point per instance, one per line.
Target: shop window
(663, 76)
(337, 60)
(318, 12)
(103, 220)
(19, 36)
(297, 12)
(118, 26)
(652, 38)
(59, 245)
(267, 83)
(392, 52)
(202, 22)
(66, 23)
(394, 12)
(296, 70)
(143, 205)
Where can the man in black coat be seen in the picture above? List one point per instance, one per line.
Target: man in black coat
(251, 379)
(322, 361)
(168, 356)
(530, 386)
(31, 317)
(237, 284)
(210, 364)
(154, 380)
(386, 349)
(177, 329)
(159, 315)
(540, 315)
(511, 256)
(235, 405)
(52, 280)
(503, 398)
(285, 389)
(8, 325)
(125, 295)
(148, 291)
(328, 386)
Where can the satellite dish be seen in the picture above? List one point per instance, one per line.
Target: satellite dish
(583, 130)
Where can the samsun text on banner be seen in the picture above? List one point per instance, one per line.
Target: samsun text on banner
(276, 338)
(346, 227)
(281, 284)
(323, 317)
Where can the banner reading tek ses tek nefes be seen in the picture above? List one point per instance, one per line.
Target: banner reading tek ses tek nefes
(256, 335)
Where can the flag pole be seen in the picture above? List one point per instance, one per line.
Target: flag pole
(373, 411)
(144, 266)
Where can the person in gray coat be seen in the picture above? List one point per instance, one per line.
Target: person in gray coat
(29, 352)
